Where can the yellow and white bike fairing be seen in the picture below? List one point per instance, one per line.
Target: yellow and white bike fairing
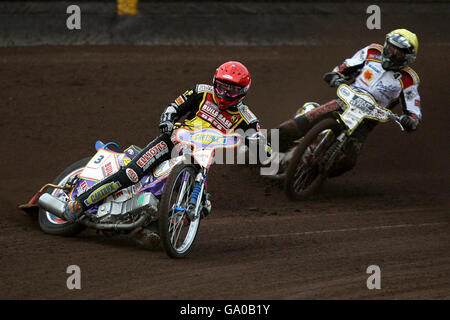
(360, 106)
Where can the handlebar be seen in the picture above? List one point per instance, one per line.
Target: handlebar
(396, 118)
(254, 137)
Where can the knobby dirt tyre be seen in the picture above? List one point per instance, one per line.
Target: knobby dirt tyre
(294, 169)
(53, 225)
(171, 221)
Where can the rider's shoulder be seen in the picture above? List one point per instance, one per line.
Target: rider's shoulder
(409, 77)
(200, 88)
(247, 114)
(375, 46)
(374, 51)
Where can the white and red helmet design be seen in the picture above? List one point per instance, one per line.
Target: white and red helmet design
(231, 83)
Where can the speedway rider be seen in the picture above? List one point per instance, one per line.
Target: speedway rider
(219, 106)
(383, 72)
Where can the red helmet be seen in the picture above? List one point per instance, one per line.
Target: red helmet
(231, 83)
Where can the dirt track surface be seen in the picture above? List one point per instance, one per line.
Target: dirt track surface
(391, 211)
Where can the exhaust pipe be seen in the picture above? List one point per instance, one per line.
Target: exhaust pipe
(52, 205)
(56, 206)
(115, 226)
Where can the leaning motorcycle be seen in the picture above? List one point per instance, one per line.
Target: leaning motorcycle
(173, 195)
(311, 161)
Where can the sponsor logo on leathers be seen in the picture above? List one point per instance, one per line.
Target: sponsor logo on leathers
(132, 175)
(152, 155)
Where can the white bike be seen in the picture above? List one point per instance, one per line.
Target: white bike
(316, 153)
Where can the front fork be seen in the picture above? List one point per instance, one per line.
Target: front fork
(333, 152)
(197, 195)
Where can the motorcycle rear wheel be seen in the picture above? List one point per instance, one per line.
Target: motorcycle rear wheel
(177, 231)
(303, 177)
(51, 224)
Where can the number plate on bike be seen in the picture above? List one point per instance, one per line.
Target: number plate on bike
(360, 106)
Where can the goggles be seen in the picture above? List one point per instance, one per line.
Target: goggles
(395, 52)
(228, 91)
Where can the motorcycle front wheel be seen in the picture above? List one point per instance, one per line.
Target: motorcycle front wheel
(177, 231)
(304, 175)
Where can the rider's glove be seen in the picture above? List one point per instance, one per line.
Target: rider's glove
(260, 140)
(408, 122)
(167, 120)
(257, 136)
(333, 79)
(336, 83)
(166, 127)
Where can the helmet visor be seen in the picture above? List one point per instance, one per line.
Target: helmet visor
(395, 53)
(228, 91)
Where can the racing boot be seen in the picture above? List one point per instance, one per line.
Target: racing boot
(149, 237)
(73, 210)
(207, 206)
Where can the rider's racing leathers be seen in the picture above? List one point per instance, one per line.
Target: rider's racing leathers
(364, 73)
(199, 106)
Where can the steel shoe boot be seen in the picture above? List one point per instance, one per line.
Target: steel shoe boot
(207, 206)
(73, 210)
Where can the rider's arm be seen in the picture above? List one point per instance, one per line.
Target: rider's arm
(187, 103)
(351, 66)
(184, 104)
(254, 135)
(251, 124)
(410, 99)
